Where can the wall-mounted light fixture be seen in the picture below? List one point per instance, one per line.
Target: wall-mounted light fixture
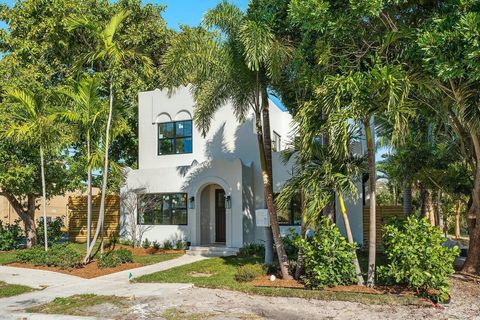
(228, 202)
(191, 202)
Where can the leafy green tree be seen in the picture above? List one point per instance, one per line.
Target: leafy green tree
(235, 62)
(30, 120)
(86, 111)
(110, 54)
(448, 47)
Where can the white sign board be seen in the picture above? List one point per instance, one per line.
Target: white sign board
(263, 219)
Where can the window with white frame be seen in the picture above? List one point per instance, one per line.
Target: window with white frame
(276, 142)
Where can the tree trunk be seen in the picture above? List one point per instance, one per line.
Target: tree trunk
(29, 222)
(101, 214)
(89, 192)
(343, 209)
(329, 210)
(440, 218)
(424, 200)
(303, 233)
(268, 246)
(264, 146)
(407, 198)
(44, 198)
(472, 263)
(430, 209)
(457, 219)
(372, 241)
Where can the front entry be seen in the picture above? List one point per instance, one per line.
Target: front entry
(220, 216)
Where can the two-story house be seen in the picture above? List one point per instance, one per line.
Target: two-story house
(206, 190)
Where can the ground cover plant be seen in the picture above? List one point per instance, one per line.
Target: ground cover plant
(58, 255)
(114, 258)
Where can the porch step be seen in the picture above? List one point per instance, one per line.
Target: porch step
(211, 251)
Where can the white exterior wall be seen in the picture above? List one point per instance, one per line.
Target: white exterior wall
(227, 157)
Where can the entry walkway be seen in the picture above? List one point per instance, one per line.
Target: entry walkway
(53, 284)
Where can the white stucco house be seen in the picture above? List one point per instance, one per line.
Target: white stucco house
(206, 190)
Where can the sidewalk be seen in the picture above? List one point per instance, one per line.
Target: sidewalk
(62, 285)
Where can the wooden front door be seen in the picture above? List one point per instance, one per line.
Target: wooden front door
(220, 216)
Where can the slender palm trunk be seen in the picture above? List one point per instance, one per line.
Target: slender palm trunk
(457, 219)
(346, 221)
(44, 197)
(101, 214)
(89, 192)
(303, 233)
(439, 217)
(267, 180)
(372, 241)
(407, 197)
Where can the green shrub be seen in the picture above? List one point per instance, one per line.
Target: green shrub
(328, 257)
(252, 250)
(179, 245)
(249, 272)
(126, 242)
(54, 230)
(156, 245)
(58, 255)
(146, 243)
(114, 258)
(416, 257)
(167, 245)
(10, 236)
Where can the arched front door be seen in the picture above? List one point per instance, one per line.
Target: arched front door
(220, 216)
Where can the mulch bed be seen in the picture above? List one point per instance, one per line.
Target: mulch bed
(88, 271)
(264, 281)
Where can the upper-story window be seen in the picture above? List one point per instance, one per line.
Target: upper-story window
(175, 137)
(276, 142)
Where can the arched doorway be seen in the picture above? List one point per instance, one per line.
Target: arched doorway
(213, 220)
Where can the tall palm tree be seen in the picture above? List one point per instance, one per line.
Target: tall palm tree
(324, 174)
(86, 112)
(235, 62)
(32, 121)
(107, 55)
(362, 98)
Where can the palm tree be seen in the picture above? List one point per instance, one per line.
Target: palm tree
(86, 112)
(235, 62)
(109, 54)
(324, 174)
(32, 121)
(356, 99)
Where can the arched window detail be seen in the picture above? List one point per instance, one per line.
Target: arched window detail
(163, 117)
(183, 115)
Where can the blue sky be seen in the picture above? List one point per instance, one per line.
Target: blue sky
(178, 12)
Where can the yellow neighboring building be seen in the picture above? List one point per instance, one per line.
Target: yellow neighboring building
(56, 207)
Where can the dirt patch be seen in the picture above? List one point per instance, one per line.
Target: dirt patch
(88, 271)
(264, 281)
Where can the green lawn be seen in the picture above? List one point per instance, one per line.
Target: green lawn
(7, 257)
(8, 290)
(219, 273)
(74, 305)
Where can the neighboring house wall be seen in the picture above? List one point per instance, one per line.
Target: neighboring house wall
(56, 207)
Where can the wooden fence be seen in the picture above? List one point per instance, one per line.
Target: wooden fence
(384, 214)
(77, 216)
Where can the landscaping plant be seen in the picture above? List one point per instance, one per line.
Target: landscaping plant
(58, 255)
(54, 230)
(156, 245)
(146, 243)
(254, 250)
(10, 236)
(328, 257)
(417, 258)
(167, 245)
(249, 272)
(180, 245)
(115, 258)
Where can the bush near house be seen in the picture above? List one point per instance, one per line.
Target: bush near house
(58, 255)
(252, 250)
(179, 245)
(54, 230)
(10, 236)
(416, 257)
(167, 245)
(328, 257)
(114, 258)
(146, 243)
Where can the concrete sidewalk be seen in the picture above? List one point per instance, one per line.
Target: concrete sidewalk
(55, 285)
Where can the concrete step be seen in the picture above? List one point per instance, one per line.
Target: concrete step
(211, 251)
